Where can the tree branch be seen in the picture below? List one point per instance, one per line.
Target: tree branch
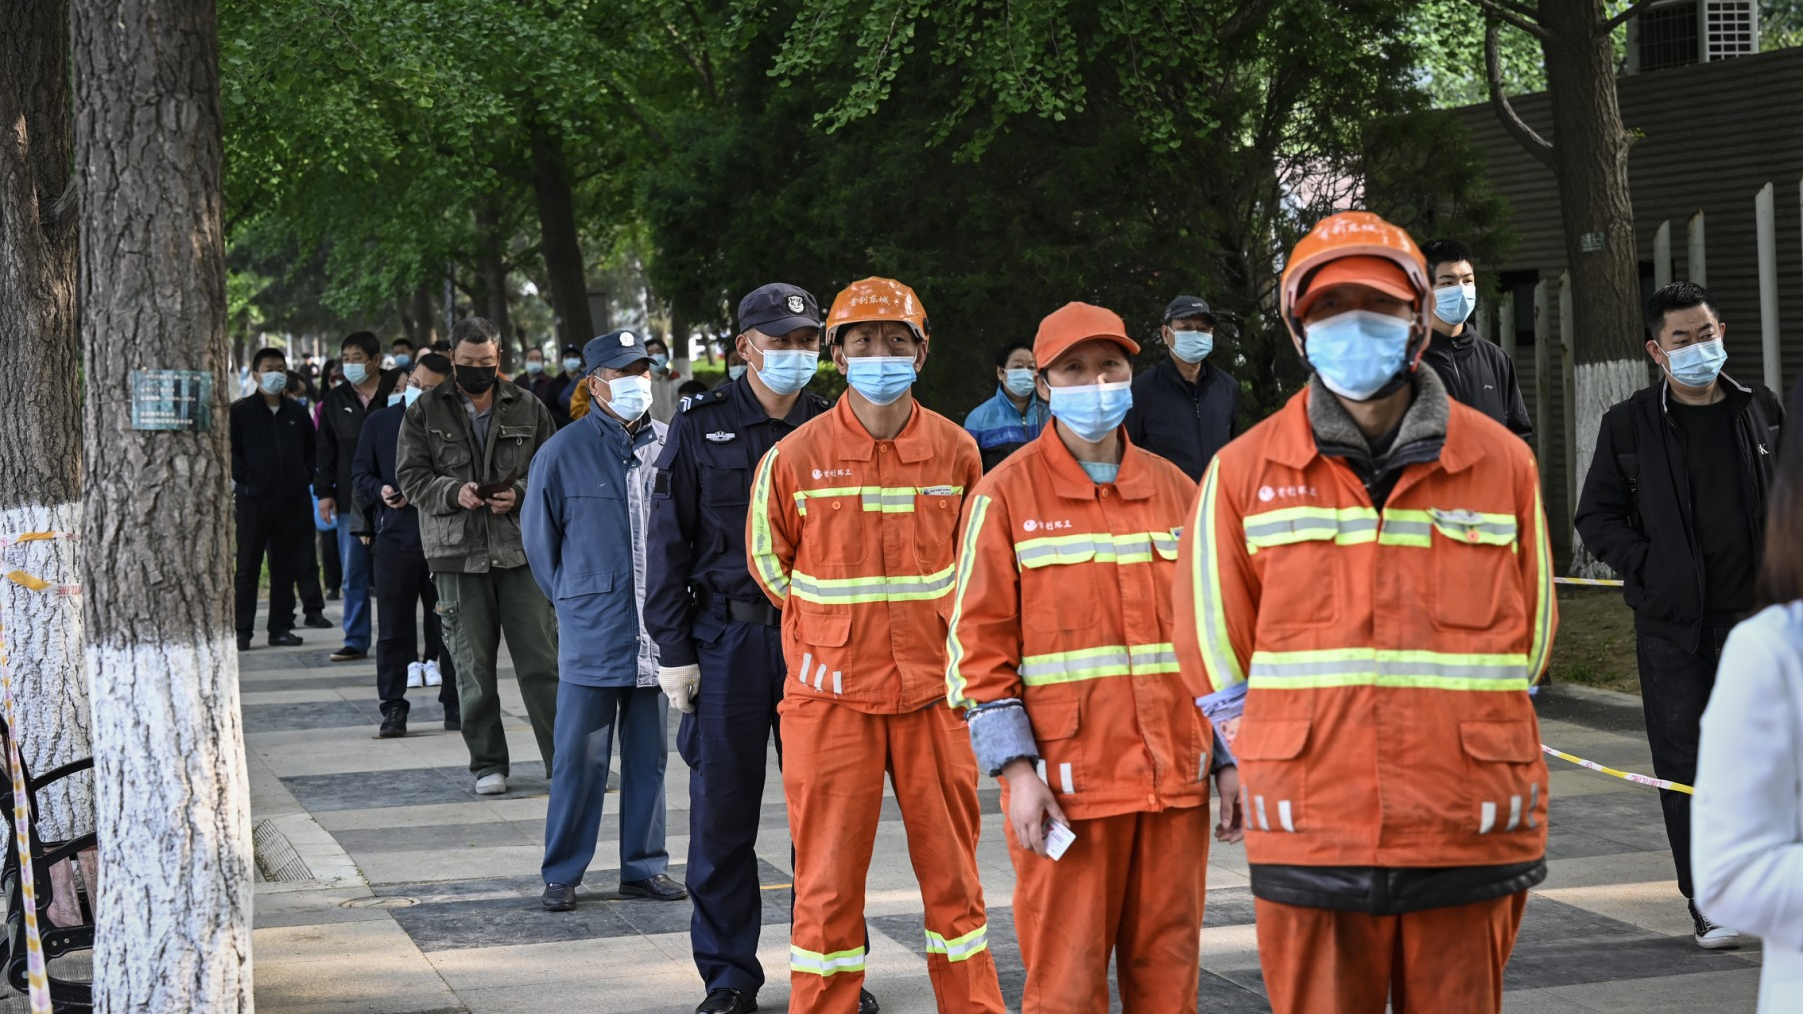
(1617, 21)
(1514, 15)
(1524, 135)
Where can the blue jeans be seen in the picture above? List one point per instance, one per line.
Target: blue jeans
(354, 556)
(587, 718)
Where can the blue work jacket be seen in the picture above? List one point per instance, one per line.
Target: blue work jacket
(585, 523)
(1000, 429)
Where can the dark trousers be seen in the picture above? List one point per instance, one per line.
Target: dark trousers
(1675, 683)
(477, 609)
(277, 530)
(403, 584)
(587, 719)
(329, 562)
(313, 601)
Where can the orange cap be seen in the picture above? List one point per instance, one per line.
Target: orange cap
(1074, 323)
(1361, 237)
(1379, 273)
(876, 299)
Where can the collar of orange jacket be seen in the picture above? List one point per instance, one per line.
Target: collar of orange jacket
(1134, 482)
(913, 444)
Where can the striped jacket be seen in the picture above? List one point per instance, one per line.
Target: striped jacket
(1064, 606)
(1386, 653)
(854, 539)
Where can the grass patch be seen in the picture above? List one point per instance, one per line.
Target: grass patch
(1595, 643)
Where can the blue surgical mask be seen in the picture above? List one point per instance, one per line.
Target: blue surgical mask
(402, 360)
(1192, 346)
(1092, 411)
(736, 371)
(1454, 304)
(396, 398)
(1357, 353)
(1019, 382)
(1101, 471)
(659, 359)
(881, 379)
(631, 396)
(788, 370)
(572, 365)
(356, 373)
(534, 367)
(1697, 365)
(412, 394)
(273, 382)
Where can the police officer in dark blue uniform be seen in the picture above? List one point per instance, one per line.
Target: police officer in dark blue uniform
(718, 637)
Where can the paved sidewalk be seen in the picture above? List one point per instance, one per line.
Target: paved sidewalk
(418, 896)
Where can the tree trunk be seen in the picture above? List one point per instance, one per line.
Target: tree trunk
(418, 317)
(491, 267)
(562, 247)
(174, 929)
(40, 418)
(1590, 152)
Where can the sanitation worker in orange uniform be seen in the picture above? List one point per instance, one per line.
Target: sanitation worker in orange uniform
(1061, 658)
(1365, 586)
(853, 535)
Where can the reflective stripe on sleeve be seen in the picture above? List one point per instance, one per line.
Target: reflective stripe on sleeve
(1218, 659)
(1540, 644)
(955, 683)
(763, 557)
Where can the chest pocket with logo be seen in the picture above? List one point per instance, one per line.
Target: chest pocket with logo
(1476, 568)
(1057, 578)
(837, 532)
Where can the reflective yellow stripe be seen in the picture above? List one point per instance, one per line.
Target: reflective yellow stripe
(802, 960)
(1414, 529)
(761, 550)
(1344, 526)
(876, 499)
(959, 948)
(1353, 667)
(1218, 659)
(1475, 527)
(1094, 547)
(1097, 663)
(955, 683)
(1540, 645)
(856, 590)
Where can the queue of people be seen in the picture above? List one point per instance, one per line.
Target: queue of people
(1098, 591)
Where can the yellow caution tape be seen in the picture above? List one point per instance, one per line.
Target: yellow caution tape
(1587, 582)
(1626, 776)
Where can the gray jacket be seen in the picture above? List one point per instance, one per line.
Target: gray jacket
(438, 454)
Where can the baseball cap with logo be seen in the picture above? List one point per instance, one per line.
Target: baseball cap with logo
(615, 350)
(1185, 307)
(777, 309)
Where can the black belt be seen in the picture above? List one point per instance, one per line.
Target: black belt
(738, 609)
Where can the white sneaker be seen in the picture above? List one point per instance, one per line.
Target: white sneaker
(416, 675)
(1711, 937)
(434, 678)
(491, 785)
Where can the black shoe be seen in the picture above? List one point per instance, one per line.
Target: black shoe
(559, 898)
(333, 596)
(394, 726)
(453, 720)
(658, 888)
(866, 1003)
(243, 642)
(318, 621)
(727, 1001)
(346, 653)
(285, 639)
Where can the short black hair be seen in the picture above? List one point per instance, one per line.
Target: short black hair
(1676, 296)
(369, 343)
(266, 352)
(659, 341)
(441, 345)
(398, 342)
(437, 363)
(475, 331)
(1442, 251)
(535, 348)
(1001, 358)
(690, 387)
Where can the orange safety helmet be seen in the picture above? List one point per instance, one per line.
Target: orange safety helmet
(876, 299)
(1357, 234)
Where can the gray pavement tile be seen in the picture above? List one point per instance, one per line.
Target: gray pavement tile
(1633, 820)
(1562, 945)
(356, 790)
(1227, 906)
(412, 839)
(1606, 712)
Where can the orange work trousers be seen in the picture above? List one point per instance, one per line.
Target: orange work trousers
(833, 763)
(1319, 961)
(1131, 885)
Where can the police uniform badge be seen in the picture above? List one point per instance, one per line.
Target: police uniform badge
(796, 304)
(626, 339)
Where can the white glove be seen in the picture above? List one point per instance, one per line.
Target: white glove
(680, 685)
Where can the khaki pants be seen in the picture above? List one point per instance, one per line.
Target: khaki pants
(476, 609)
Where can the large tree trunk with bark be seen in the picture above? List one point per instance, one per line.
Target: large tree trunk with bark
(491, 268)
(40, 417)
(419, 317)
(558, 239)
(1590, 158)
(173, 795)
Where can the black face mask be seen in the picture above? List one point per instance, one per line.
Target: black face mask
(476, 379)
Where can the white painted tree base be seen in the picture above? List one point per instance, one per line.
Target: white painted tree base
(169, 718)
(44, 651)
(1599, 387)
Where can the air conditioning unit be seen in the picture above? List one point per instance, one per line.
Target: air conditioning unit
(1678, 33)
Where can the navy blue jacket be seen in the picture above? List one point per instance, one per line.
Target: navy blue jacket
(1184, 423)
(372, 468)
(698, 511)
(584, 525)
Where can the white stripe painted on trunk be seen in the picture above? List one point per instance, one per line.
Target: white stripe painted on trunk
(1597, 387)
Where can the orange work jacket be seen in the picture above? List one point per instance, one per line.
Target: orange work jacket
(1387, 654)
(854, 539)
(1064, 604)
